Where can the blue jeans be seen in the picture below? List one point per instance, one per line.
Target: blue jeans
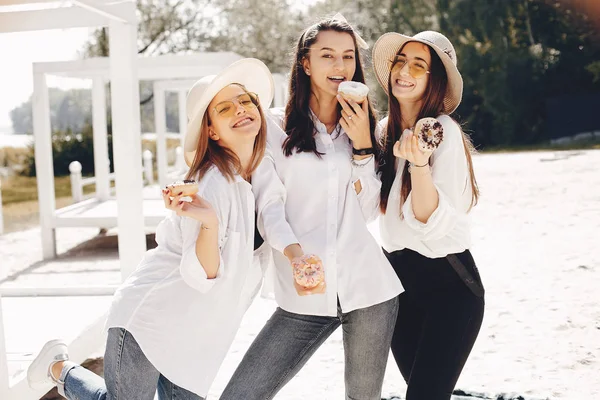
(288, 340)
(128, 375)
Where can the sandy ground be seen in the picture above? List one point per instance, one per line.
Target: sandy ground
(535, 241)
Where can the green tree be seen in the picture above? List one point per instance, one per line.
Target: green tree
(68, 110)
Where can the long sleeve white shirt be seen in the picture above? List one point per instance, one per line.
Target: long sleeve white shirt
(447, 231)
(183, 321)
(311, 201)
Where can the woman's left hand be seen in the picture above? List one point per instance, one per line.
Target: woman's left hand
(408, 148)
(355, 122)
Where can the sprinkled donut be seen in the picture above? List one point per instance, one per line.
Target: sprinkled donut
(308, 270)
(430, 134)
(353, 90)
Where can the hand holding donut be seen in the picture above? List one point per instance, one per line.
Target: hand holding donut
(355, 121)
(309, 276)
(416, 146)
(198, 208)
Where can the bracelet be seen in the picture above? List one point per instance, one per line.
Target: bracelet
(360, 163)
(421, 173)
(418, 166)
(363, 152)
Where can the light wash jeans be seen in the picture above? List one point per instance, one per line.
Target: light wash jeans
(288, 340)
(128, 375)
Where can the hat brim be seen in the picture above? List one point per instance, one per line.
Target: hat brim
(386, 48)
(252, 73)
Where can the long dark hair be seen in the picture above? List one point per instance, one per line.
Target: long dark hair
(209, 153)
(433, 105)
(299, 125)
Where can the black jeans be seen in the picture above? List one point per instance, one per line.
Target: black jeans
(438, 321)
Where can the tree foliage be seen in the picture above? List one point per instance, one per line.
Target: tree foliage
(514, 55)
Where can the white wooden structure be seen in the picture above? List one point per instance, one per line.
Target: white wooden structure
(120, 18)
(131, 210)
(170, 72)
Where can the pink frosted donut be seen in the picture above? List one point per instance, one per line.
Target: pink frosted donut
(308, 270)
(430, 134)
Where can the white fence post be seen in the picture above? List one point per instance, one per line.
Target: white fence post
(127, 143)
(1, 215)
(76, 187)
(182, 96)
(100, 138)
(179, 160)
(44, 166)
(148, 172)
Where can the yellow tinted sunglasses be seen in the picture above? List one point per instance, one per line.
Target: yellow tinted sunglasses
(227, 108)
(416, 68)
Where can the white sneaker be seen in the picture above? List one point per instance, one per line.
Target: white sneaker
(39, 373)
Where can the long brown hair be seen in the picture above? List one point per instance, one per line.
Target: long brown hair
(209, 153)
(299, 125)
(433, 105)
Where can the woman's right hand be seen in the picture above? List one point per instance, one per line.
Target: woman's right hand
(304, 291)
(295, 255)
(198, 208)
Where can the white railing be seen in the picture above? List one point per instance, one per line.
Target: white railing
(78, 182)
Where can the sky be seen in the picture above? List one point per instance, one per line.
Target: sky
(18, 52)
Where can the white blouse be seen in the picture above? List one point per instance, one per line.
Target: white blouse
(447, 231)
(311, 201)
(183, 321)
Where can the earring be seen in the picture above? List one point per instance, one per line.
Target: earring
(307, 72)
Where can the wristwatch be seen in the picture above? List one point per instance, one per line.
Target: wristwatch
(363, 152)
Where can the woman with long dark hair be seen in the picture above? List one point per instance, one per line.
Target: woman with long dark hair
(425, 199)
(323, 181)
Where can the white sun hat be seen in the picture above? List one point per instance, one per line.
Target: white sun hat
(253, 74)
(388, 45)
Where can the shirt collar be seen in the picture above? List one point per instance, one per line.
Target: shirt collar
(320, 127)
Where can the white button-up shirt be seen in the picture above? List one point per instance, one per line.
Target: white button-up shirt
(183, 321)
(447, 231)
(311, 201)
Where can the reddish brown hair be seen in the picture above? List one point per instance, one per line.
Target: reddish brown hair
(209, 153)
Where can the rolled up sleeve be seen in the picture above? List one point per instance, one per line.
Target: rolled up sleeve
(269, 193)
(190, 267)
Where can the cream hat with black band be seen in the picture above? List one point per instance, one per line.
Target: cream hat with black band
(253, 74)
(388, 45)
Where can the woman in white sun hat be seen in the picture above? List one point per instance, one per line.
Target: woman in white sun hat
(425, 200)
(173, 320)
(323, 180)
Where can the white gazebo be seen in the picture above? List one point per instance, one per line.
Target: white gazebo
(130, 210)
(169, 73)
(120, 18)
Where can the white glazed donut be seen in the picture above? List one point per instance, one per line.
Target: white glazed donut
(353, 90)
(308, 270)
(430, 134)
